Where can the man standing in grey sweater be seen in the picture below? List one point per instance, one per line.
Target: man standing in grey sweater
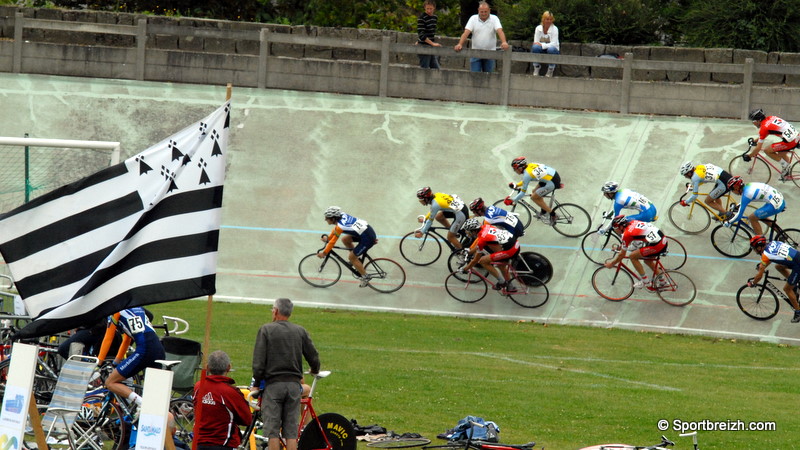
(278, 363)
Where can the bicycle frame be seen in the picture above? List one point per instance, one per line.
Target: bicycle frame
(766, 283)
(793, 158)
(714, 213)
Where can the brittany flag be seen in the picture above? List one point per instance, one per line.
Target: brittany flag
(144, 231)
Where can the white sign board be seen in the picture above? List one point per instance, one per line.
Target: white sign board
(152, 428)
(19, 387)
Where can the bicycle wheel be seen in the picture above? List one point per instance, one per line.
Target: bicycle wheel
(531, 292)
(733, 242)
(183, 411)
(456, 260)
(614, 284)
(675, 288)
(422, 251)
(692, 219)
(754, 170)
(385, 275)
(757, 302)
(329, 428)
(536, 264)
(675, 257)
(790, 236)
(103, 422)
(399, 442)
(571, 220)
(318, 272)
(599, 248)
(794, 174)
(522, 212)
(471, 290)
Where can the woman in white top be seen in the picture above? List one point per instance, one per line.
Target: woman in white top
(545, 40)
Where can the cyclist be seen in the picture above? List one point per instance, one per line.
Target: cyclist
(779, 151)
(628, 199)
(351, 229)
(707, 173)
(443, 207)
(547, 178)
(135, 326)
(497, 217)
(644, 241)
(756, 192)
(787, 261)
(501, 246)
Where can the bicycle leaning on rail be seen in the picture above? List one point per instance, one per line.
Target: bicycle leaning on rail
(328, 431)
(571, 219)
(529, 291)
(696, 218)
(599, 248)
(760, 168)
(671, 286)
(385, 275)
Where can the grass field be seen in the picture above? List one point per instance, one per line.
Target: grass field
(563, 387)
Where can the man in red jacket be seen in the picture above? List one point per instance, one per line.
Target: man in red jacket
(219, 406)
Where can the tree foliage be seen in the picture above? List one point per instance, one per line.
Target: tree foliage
(749, 24)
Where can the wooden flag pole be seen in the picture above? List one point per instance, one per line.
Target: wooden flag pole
(36, 423)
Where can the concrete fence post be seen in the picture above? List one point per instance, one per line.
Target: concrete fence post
(383, 83)
(141, 48)
(263, 55)
(19, 23)
(747, 86)
(505, 77)
(625, 87)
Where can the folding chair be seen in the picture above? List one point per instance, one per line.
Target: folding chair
(73, 381)
(190, 354)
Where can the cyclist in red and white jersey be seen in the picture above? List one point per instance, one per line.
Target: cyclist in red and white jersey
(774, 125)
(500, 244)
(639, 240)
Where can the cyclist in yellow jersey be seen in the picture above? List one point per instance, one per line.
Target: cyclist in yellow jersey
(443, 207)
(707, 173)
(546, 177)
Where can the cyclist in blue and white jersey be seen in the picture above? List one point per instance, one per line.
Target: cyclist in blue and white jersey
(787, 261)
(135, 327)
(756, 192)
(351, 229)
(497, 217)
(628, 199)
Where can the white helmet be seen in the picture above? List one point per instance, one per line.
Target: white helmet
(610, 187)
(686, 168)
(333, 212)
(471, 225)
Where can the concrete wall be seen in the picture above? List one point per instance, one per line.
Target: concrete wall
(703, 82)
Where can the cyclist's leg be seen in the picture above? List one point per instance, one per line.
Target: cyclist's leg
(486, 263)
(504, 254)
(713, 197)
(765, 212)
(126, 369)
(545, 187)
(365, 242)
(458, 220)
(648, 215)
(779, 151)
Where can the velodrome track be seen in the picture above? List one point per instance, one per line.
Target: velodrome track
(292, 154)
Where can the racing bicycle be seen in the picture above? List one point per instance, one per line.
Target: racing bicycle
(663, 445)
(328, 431)
(696, 218)
(426, 250)
(734, 241)
(384, 274)
(671, 286)
(571, 219)
(760, 167)
(598, 246)
(529, 291)
(760, 301)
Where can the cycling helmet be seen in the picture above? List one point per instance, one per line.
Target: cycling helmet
(477, 206)
(519, 163)
(686, 167)
(610, 187)
(735, 183)
(757, 240)
(471, 225)
(619, 222)
(333, 212)
(424, 193)
(757, 115)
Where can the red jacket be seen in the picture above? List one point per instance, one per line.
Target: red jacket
(220, 407)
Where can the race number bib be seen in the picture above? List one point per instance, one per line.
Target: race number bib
(502, 237)
(712, 173)
(456, 204)
(539, 172)
(136, 324)
(776, 200)
(359, 226)
(783, 251)
(790, 133)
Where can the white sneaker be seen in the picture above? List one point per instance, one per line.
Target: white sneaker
(641, 282)
(550, 71)
(536, 70)
(364, 281)
(785, 171)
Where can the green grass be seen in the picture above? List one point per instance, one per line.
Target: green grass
(564, 387)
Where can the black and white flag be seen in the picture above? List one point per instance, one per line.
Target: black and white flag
(144, 231)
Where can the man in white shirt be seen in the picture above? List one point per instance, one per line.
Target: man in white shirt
(485, 28)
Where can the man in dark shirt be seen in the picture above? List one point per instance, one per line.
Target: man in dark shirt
(278, 362)
(426, 30)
